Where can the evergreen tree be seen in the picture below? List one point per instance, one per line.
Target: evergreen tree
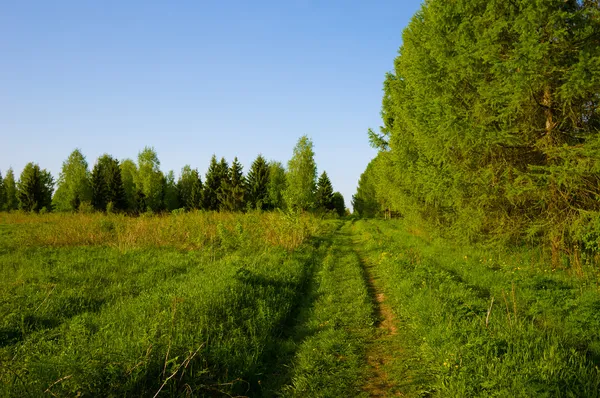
(10, 191)
(225, 182)
(107, 185)
(276, 186)
(324, 193)
(150, 180)
(171, 195)
(129, 177)
(212, 185)
(338, 204)
(258, 183)
(73, 186)
(235, 188)
(34, 189)
(364, 202)
(301, 177)
(189, 188)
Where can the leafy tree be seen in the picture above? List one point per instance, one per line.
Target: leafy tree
(301, 176)
(324, 193)
(150, 180)
(276, 186)
(234, 189)
(171, 194)
(212, 185)
(492, 120)
(338, 204)
(189, 188)
(107, 185)
(73, 186)
(364, 202)
(129, 177)
(34, 189)
(10, 191)
(258, 183)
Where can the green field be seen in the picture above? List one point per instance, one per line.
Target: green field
(268, 304)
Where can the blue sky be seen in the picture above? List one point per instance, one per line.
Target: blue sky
(193, 78)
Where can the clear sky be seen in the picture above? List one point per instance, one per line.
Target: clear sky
(193, 78)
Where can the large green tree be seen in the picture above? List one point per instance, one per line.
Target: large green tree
(324, 193)
(364, 202)
(491, 117)
(171, 195)
(234, 188)
(301, 177)
(339, 205)
(189, 188)
(2, 193)
(257, 184)
(129, 177)
(212, 185)
(10, 191)
(276, 186)
(107, 185)
(34, 189)
(150, 180)
(73, 185)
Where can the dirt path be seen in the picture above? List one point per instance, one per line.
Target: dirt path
(382, 348)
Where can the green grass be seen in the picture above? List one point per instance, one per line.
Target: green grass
(542, 335)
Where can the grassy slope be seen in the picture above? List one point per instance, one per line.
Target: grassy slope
(542, 336)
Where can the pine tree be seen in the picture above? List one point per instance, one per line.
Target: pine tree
(73, 186)
(34, 189)
(10, 191)
(257, 184)
(107, 185)
(225, 181)
(171, 195)
(99, 188)
(301, 177)
(212, 184)
(235, 188)
(2, 194)
(324, 193)
(189, 188)
(277, 185)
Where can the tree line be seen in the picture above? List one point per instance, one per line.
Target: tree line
(491, 123)
(133, 188)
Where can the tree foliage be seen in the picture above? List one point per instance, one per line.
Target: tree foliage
(150, 180)
(189, 188)
(301, 177)
(491, 118)
(276, 186)
(339, 205)
(73, 185)
(258, 184)
(129, 177)
(108, 191)
(233, 188)
(10, 191)
(34, 189)
(324, 193)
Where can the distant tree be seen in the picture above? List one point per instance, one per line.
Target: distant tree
(301, 176)
(225, 181)
(257, 184)
(171, 195)
(235, 188)
(276, 185)
(338, 204)
(150, 180)
(34, 189)
(10, 191)
(189, 188)
(74, 185)
(365, 202)
(107, 185)
(324, 193)
(129, 177)
(212, 184)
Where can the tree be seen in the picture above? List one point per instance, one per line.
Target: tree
(34, 189)
(2, 193)
(107, 185)
(234, 189)
(276, 186)
(212, 184)
(171, 194)
(301, 177)
(10, 191)
(129, 177)
(189, 188)
(324, 193)
(257, 184)
(492, 121)
(338, 204)
(150, 180)
(73, 186)
(364, 202)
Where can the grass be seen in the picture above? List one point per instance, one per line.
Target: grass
(480, 323)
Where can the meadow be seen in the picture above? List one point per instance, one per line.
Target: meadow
(271, 304)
